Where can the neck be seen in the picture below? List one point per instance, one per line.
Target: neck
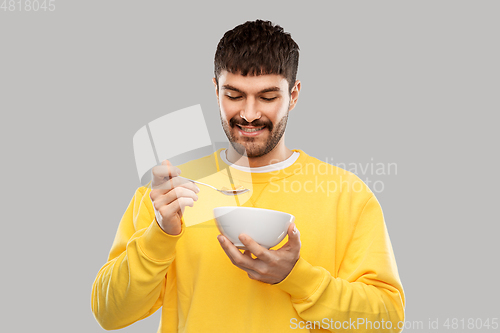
(278, 154)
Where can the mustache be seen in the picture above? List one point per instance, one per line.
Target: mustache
(257, 123)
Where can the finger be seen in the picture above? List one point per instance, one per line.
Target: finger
(171, 196)
(166, 162)
(183, 182)
(250, 255)
(166, 170)
(246, 259)
(259, 270)
(259, 251)
(163, 172)
(169, 186)
(160, 177)
(237, 258)
(171, 183)
(177, 206)
(183, 203)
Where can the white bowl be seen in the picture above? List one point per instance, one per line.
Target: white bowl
(265, 226)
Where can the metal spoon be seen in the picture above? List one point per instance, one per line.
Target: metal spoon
(226, 192)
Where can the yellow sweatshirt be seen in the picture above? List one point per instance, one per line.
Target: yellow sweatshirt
(345, 280)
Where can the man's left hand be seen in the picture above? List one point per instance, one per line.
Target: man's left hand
(269, 266)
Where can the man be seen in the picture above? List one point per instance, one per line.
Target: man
(338, 273)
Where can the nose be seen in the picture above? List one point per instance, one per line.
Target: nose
(249, 112)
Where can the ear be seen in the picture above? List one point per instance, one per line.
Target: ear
(294, 96)
(216, 90)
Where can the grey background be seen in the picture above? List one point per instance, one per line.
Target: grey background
(414, 83)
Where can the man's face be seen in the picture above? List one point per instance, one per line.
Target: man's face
(254, 111)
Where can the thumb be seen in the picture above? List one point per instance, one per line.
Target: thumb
(293, 236)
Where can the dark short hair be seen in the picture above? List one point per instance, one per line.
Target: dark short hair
(257, 48)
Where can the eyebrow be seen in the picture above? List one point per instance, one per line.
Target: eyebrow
(270, 89)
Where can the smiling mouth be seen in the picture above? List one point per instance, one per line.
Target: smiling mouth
(250, 129)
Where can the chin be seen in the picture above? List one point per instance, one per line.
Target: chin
(249, 149)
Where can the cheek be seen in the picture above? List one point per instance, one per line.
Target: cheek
(228, 110)
(277, 112)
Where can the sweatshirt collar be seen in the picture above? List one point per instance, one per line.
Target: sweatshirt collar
(264, 177)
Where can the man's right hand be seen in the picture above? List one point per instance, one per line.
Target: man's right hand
(170, 195)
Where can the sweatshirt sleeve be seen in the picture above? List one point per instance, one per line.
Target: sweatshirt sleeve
(365, 295)
(130, 286)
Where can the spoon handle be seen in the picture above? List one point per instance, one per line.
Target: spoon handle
(197, 182)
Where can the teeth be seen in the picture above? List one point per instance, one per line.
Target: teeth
(249, 130)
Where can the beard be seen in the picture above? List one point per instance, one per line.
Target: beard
(254, 146)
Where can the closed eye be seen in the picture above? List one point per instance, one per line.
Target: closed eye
(233, 98)
(268, 99)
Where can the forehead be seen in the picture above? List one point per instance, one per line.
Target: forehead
(253, 83)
